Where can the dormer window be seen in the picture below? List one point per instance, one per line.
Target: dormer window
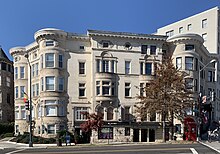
(127, 45)
(49, 43)
(189, 47)
(105, 44)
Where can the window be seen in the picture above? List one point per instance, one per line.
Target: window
(127, 131)
(196, 64)
(33, 69)
(127, 89)
(82, 89)
(148, 68)
(152, 116)
(113, 66)
(181, 30)
(39, 111)
(42, 84)
(36, 68)
(127, 67)
(210, 76)
(170, 33)
(195, 85)
(179, 63)
(97, 87)
(81, 67)
(189, 47)
(128, 45)
(16, 92)
(37, 89)
(98, 65)
(141, 89)
(43, 129)
(49, 59)
(61, 84)
(60, 61)
(110, 113)
(49, 43)
(22, 90)
(189, 27)
(21, 72)
(16, 112)
(16, 73)
(105, 44)
(23, 112)
(189, 83)
(8, 98)
(127, 113)
(79, 113)
(188, 63)
(81, 47)
(141, 68)
(50, 83)
(61, 111)
(51, 108)
(105, 88)
(144, 49)
(4, 66)
(153, 50)
(8, 81)
(42, 61)
(105, 66)
(33, 90)
(204, 36)
(51, 129)
(204, 23)
(178, 128)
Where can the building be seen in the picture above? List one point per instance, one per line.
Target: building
(6, 88)
(206, 24)
(98, 72)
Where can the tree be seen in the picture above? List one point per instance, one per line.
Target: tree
(94, 121)
(167, 93)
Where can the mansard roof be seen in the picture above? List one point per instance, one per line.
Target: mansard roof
(126, 34)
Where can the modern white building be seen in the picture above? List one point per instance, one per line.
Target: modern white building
(207, 25)
(100, 73)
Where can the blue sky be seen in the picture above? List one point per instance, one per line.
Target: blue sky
(20, 19)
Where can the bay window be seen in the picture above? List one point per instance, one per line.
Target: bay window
(188, 63)
(50, 83)
(49, 57)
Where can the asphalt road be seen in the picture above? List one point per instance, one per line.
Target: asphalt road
(120, 149)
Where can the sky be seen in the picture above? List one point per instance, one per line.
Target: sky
(20, 19)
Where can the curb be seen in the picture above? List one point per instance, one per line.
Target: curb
(210, 147)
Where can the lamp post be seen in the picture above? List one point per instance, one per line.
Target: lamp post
(200, 94)
(30, 115)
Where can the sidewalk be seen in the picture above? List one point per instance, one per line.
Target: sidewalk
(215, 145)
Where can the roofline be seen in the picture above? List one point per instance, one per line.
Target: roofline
(192, 16)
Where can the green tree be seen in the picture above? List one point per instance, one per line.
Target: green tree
(168, 94)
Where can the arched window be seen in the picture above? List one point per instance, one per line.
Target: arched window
(100, 110)
(110, 113)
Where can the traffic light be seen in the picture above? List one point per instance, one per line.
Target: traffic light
(26, 101)
(27, 105)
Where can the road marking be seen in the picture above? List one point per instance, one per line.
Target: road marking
(193, 151)
(113, 151)
(15, 151)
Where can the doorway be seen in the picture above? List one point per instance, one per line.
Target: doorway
(144, 135)
(151, 135)
(135, 135)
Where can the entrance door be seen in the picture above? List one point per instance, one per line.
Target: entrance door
(143, 135)
(151, 135)
(136, 135)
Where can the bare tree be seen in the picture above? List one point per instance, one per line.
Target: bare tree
(167, 94)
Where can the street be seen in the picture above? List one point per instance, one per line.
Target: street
(119, 149)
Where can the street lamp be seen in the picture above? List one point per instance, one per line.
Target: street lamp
(200, 94)
(30, 115)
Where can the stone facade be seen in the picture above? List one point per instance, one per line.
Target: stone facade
(6, 89)
(97, 72)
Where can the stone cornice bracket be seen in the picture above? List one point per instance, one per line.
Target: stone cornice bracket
(17, 50)
(49, 33)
